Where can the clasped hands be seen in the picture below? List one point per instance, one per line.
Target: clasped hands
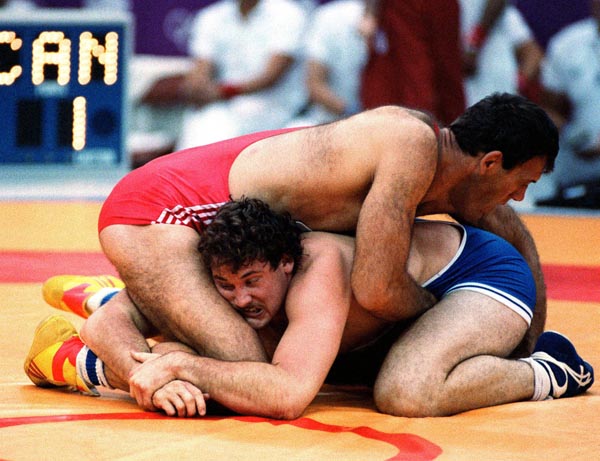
(155, 386)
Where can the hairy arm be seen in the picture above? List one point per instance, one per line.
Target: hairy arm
(317, 313)
(380, 280)
(505, 223)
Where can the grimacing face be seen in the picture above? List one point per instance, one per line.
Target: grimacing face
(256, 291)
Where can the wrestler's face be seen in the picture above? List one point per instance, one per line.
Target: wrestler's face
(256, 291)
(491, 185)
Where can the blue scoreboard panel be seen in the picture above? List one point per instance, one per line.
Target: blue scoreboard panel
(63, 87)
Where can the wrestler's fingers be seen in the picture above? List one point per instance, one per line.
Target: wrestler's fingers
(186, 405)
(180, 398)
(199, 398)
(193, 399)
(142, 396)
(171, 400)
(164, 403)
(144, 400)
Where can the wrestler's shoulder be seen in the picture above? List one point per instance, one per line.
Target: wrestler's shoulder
(326, 244)
(400, 118)
(318, 238)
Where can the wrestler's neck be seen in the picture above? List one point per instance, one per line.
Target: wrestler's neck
(454, 166)
(448, 140)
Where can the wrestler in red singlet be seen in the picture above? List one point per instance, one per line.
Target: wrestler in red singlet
(186, 187)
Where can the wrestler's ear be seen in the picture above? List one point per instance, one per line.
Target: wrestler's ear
(287, 264)
(490, 162)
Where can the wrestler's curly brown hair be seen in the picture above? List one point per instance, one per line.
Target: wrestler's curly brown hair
(247, 230)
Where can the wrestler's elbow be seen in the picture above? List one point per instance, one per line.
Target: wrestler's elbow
(289, 412)
(373, 297)
(284, 414)
(293, 408)
(293, 414)
(285, 406)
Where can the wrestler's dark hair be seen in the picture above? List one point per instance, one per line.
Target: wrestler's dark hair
(247, 230)
(510, 123)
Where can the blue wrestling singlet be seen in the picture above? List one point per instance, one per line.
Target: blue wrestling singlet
(483, 263)
(487, 264)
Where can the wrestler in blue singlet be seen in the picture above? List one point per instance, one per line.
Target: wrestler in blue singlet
(490, 265)
(484, 263)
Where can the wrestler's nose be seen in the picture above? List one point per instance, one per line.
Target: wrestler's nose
(242, 299)
(519, 194)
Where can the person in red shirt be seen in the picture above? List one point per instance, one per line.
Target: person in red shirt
(415, 56)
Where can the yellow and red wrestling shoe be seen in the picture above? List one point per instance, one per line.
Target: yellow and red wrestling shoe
(71, 293)
(52, 358)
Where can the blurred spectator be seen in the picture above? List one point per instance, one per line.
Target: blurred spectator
(571, 81)
(547, 17)
(309, 5)
(501, 53)
(16, 5)
(476, 20)
(335, 54)
(108, 5)
(415, 56)
(247, 76)
(105, 5)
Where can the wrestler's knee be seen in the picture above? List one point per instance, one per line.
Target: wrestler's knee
(120, 246)
(408, 395)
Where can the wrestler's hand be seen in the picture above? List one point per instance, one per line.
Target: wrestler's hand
(180, 398)
(153, 373)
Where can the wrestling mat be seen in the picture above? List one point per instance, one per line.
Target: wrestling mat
(40, 239)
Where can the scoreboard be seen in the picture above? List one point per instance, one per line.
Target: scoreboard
(63, 87)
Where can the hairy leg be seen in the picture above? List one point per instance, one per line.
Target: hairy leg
(115, 331)
(168, 283)
(115, 380)
(453, 359)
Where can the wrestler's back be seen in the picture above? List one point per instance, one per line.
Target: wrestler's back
(321, 174)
